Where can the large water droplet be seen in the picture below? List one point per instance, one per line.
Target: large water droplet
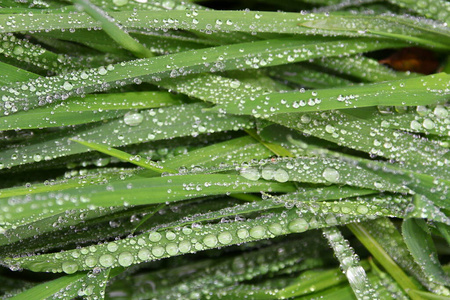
(133, 118)
(250, 173)
(298, 225)
(106, 260)
(125, 259)
(69, 267)
(331, 175)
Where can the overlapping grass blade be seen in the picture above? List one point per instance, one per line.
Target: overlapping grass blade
(256, 55)
(418, 239)
(406, 92)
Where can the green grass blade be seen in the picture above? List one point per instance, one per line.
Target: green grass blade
(408, 92)
(127, 157)
(92, 108)
(256, 55)
(384, 259)
(350, 264)
(418, 239)
(114, 30)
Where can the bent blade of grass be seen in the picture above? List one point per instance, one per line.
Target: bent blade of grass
(350, 264)
(126, 157)
(255, 55)
(161, 189)
(361, 67)
(157, 124)
(423, 90)
(418, 239)
(92, 108)
(11, 74)
(435, 9)
(131, 251)
(371, 244)
(408, 29)
(114, 30)
(339, 127)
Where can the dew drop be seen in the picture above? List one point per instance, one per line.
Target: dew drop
(331, 175)
(281, 175)
(243, 233)
(225, 238)
(90, 261)
(298, 225)
(257, 232)
(154, 236)
(106, 260)
(250, 173)
(133, 118)
(275, 228)
(185, 246)
(125, 259)
(158, 251)
(69, 267)
(362, 209)
(172, 249)
(67, 86)
(112, 247)
(144, 254)
(210, 240)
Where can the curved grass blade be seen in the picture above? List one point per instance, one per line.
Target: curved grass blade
(92, 108)
(134, 159)
(350, 265)
(12, 74)
(406, 92)
(166, 243)
(256, 55)
(398, 27)
(384, 259)
(363, 68)
(418, 239)
(115, 31)
(435, 9)
(155, 124)
(117, 193)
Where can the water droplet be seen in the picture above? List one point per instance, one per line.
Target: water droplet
(225, 237)
(90, 261)
(281, 175)
(112, 247)
(158, 251)
(172, 249)
(275, 228)
(106, 260)
(362, 209)
(428, 124)
(243, 233)
(268, 172)
(120, 2)
(154, 237)
(235, 84)
(144, 254)
(170, 235)
(257, 232)
(69, 267)
(440, 112)
(67, 86)
(125, 259)
(298, 225)
(133, 118)
(331, 175)
(184, 246)
(250, 173)
(210, 240)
